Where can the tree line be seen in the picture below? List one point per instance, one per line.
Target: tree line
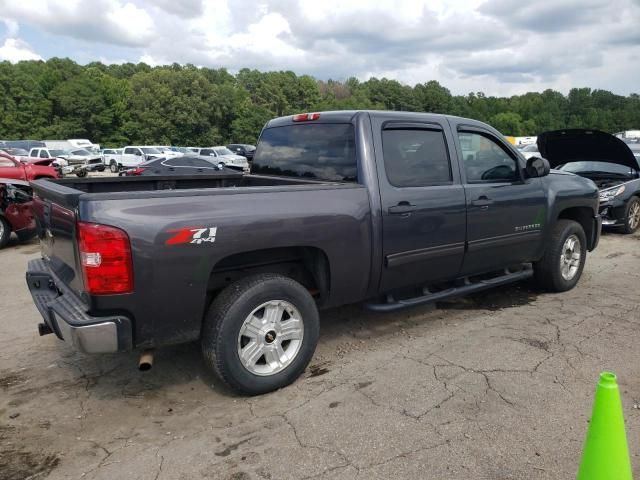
(176, 104)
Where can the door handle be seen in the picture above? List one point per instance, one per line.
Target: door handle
(482, 201)
(402, 208)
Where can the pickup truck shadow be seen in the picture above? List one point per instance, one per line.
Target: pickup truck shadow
(180, 368)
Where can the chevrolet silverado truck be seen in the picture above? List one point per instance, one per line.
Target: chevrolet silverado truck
(387, 208)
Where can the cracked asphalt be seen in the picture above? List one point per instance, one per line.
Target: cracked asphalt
(495, 386)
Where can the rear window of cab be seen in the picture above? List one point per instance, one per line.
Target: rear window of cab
(314, 151)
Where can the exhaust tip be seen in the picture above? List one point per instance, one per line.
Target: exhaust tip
(146, 361)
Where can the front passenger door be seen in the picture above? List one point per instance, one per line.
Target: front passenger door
(505, 211)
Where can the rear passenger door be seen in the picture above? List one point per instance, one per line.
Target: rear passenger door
(505, 210)
(423, 202)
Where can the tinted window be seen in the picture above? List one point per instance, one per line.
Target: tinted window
(130, 151)
(201, 163)
(315, 151)
(485, 160)
(176, 162)
(206, 152)
(151, 150)
(415, 158)
(44, 154)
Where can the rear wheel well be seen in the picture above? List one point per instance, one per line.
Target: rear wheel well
(582, 215)
(308, 266)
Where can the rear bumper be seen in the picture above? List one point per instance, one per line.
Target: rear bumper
(66, 314)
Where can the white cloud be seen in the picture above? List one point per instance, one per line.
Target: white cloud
(15, 50)
(106, 21)
(495, 46)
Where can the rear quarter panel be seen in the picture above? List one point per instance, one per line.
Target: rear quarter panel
(170, 280)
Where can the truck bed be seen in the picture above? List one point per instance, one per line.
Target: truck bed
(67, 191)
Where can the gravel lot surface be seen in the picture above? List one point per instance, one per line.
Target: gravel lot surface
(497, 386)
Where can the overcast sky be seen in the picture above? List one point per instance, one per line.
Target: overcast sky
(501, 47)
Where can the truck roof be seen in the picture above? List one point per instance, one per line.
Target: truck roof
(345, 116)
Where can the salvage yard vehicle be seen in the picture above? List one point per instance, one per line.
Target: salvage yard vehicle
(25, 170)
(79, 161)
(132, 156)
(226, 158)
(182, 165)
(15, 211)
(247, 151)
(394, 209)
(606, 160)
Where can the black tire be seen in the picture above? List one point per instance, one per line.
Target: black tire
(81, 173)
(113, 166)
(631, 225)
(5, 232)
(547, 271)
(226, 315)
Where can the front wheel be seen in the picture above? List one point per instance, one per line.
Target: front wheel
(561, 266)
(113, 166)
(5, 232)
(81, 173)
(632, 216)
(260, 333)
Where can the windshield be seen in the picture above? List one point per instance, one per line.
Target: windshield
(316, 151)
(82, 152)
(595, 167)
(57, 153)
(223, 151)
(150, 150)
(530, 148)
(16, 151)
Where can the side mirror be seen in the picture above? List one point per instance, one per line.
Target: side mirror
(537, 167)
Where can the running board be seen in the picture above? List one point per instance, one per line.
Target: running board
(392, 304)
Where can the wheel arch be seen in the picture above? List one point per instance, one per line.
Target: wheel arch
(584, 216)
(307, 265)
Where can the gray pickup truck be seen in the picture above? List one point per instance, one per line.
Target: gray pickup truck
(393, 209)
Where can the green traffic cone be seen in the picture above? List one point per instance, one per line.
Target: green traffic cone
(605, 454)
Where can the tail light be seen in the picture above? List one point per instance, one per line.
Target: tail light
(305, 117)
(105, 255)
(135, 171)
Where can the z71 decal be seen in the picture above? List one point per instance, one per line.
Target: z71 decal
(196, 235)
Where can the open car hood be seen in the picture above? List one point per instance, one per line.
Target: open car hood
(575, 145)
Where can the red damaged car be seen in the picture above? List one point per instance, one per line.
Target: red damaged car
(15, 210)
(26, 170)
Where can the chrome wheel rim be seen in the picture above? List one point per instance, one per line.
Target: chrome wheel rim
(634, 216)
(270, 338)
(570, 257)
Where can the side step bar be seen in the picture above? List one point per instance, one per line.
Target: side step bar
(392, 304)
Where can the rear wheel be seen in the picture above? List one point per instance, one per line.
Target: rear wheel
(632, 215)
(113, 166)
(81, 173)
(5, 232)
(561, 266)
(260, 333)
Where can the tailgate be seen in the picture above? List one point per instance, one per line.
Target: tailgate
(56, 231)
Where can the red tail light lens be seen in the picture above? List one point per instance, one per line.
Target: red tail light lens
(135, 171)
(105, 254)
(305, 117)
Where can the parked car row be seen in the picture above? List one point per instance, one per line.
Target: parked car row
(133, 156)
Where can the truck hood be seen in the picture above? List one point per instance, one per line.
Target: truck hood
(575, 145)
